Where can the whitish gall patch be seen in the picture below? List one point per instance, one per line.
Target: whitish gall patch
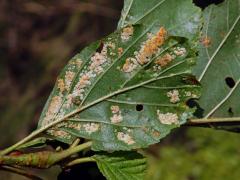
(91, 127)
(174, 96)
(179, 51)
(97, 60)
(126, 138)
(115, 109)
(111, 45)
(53, 109)
(194, 96)
(78, 62)
(76, 126)
(68, 79)
(68, 102)
(129, 65)
(84, 80)
(61, 85)
(167, 118)
(117, 117)
(127, 32)
(188, 93)
(59, 133)
(96, 63)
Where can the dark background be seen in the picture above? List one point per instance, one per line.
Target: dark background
(37, 38)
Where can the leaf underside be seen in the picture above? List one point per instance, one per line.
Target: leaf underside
(218, 66)
(122, 166)
(122, 103)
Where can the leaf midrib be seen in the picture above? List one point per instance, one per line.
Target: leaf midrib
(142, 103)
(105, 122)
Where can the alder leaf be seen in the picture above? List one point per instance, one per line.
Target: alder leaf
(122, 165)
(127, 90)
(218, 66)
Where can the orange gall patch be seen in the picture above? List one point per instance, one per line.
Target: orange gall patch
(165, 60)
(151, 46)
(61, 85)
(206, 41)
(120, 51)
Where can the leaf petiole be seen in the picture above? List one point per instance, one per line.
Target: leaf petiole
(81, 160)
(213, 120)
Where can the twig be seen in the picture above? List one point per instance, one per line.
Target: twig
(213, 120)
(21, 172)
(42, 159)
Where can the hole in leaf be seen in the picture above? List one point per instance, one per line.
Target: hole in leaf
(192, 103)
(203, 3)
(230, 82)
(139, 107)
(230, 111)
(99, 49)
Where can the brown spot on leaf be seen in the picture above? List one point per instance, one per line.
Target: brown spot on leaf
(222, 34)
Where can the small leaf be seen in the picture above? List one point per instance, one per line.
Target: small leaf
(122, 166)
(218, 67)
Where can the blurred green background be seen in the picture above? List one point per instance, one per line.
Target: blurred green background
(37, 38)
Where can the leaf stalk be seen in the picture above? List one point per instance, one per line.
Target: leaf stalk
(81, 160)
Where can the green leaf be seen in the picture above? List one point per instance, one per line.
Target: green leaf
(181, 18)
(219, 61)
(122, 165)
(121, 100)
